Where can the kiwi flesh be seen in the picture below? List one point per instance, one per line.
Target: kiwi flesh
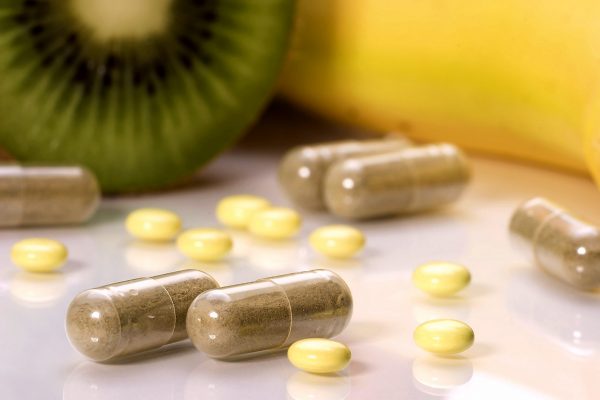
(143, 92)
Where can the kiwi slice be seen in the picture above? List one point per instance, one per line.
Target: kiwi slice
(143, 92)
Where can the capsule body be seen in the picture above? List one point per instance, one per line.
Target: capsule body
(269, 314)
(302, 170)
(46, 195)
(129, 317)
(561, 244)
(408, 180)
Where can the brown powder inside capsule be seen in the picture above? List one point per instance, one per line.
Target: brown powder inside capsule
(269, 314)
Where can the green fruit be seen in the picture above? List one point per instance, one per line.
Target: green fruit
(143, 92)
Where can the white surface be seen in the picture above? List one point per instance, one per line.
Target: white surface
(535, 337)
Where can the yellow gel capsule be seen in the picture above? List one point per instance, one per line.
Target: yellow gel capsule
(338, 241)
(153, 224)
(444, 336)
(237, 211)
(204, 244)
(39, 255)
(319, 356)
(275, 223)
(441, 278)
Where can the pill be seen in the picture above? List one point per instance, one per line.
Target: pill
(275, 223)
(46, 195)
(561, 244)
(153, 224)
(319, 356)
(237, 210)
(441, 278)
(403, 181)
(337, 241)
(205, 244)
(444, 336)
(302, 169)
(130, 317)
(269, 314)
(39, 254)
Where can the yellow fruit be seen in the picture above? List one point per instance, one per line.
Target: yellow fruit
(275, 223)
(204, 244)
(518, 77)
(338, 241)
(153, 224)
(319, 356)
(236, 211)
(444, 336)
(441, 278)
(38, 254)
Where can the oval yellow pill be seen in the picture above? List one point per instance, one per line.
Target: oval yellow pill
(444, 336)
(441, 278)
(275, 223)
(320, 356)
(38, 254)
(236, 211)
(153, 224)
(204, 244)
(338, 241)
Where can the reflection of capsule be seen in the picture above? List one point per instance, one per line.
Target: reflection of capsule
(559, 243)
(408, 180)
(304, 386)
(129, 317)
(269, 314)
(46, 195)
(38, 290)
(303, 169)
(438, 376)
(568, 318)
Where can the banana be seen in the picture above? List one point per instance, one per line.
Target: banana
(518, 78)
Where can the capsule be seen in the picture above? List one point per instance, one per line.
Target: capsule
(403, 181)
(269, 314)
(129, 317)
(559, 243)
(302, 169)
(46, 195)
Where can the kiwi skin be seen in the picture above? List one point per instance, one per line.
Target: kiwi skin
(138, 139)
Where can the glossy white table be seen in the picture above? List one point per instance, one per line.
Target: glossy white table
(535, 337)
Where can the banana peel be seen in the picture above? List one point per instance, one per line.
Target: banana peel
(518, 78)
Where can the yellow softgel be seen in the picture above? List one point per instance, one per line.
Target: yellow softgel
(38, 254)
(444, 336)
(275, 223)
(205, 244)
(441, 278)
(153, 224)
(319, 356)
(237, 211)
(338, 241)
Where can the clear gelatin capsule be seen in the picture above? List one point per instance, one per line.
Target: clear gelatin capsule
(269, 314)
(302, 169)
(561, 244)
(403, 181)
(46, 195)
(129, 317)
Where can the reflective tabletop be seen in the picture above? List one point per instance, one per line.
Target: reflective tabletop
(535, 337)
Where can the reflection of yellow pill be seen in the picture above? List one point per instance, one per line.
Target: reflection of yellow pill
(204, 244)
(153, 224)
(236, 211)
(320, 356)
(275, 223)
(39, 255)
(338, 241)
(444, 336)
(441, 278)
